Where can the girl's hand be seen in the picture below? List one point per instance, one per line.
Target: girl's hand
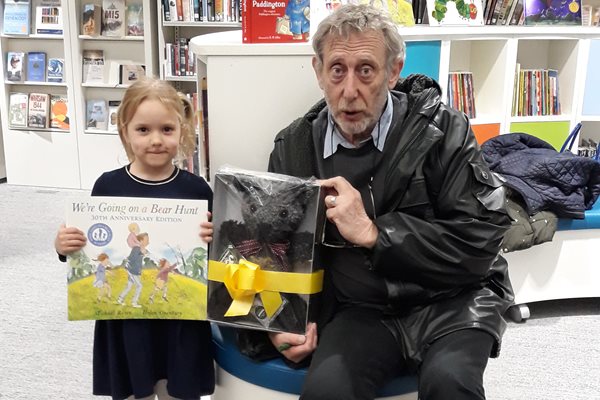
(69, 240)
(206, 229)
(296, 347)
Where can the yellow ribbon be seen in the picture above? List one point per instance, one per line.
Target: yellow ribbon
(245, 279)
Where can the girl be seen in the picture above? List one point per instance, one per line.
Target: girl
(155, 125)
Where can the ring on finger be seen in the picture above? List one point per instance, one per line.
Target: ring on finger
(332, 201)
(283, 347)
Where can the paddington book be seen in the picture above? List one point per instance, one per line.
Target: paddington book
(275, 21)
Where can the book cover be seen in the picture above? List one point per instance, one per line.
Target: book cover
(91, 20)
(56, 70)
(113, 110)
(15, 66)
(552, 12)
(36, 66)
(59, 111)
(129, 73)
(49, 18)
(266, 21)
(16, 17)
(17, 109)
(93, 66)
(113, 18)
(96, 114)
(455, 12)
(37, 115)
(135, 19)
(143, 259)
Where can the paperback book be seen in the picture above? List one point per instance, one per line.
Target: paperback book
(49, 18)
(56, 70)
(552, 12)
(16, 17)
(91, 20)
(113, 110)
(17, 110)
(96, 115)
(270, 21)
(36, 66)
(143, 259)
(93, 66)
(59, 111)
(129, 73)
(455, 12)
(37, 115)
(113, 18)
(15, 63)
(135, 19)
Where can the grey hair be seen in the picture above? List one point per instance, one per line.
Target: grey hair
(353, 18)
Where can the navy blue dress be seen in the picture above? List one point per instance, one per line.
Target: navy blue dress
(131, 355)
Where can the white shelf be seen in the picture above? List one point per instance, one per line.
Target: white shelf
(113, 39)
(34, 36)
(35, 83)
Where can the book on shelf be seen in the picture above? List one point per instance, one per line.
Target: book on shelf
(465, 13)
(36, 66)
(129, 73)
(49, 18)
(113, 111)
(91, 19)
(552, 12)
(37, 115)
(16, 18)
(113, 18)
(59, 111)
(18, 105)
(96, 114)
(93, 66)
(275, 22)
(15, 66)
(135, 19)
(56, 70)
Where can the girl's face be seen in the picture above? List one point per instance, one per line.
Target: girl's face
(153, 134)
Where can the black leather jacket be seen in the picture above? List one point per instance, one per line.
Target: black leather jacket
(443, 219)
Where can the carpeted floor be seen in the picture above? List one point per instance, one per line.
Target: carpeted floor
(553, 356)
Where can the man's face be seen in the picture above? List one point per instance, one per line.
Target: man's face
(355, 80)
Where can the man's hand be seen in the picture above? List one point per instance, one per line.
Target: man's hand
(206, 229)
(346, 210)
(69, 240)
(296, 347)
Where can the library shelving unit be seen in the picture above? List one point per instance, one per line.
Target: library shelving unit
(38, 157)
(254, 90)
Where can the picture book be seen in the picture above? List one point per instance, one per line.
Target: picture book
(15, 66)
(129, 73)
(56, 70)
(113, 110)
(16, 17)
(269, 21)
(455, 12)
(549, 12)
(96, 115)
(93, 66)
(36, 66)
(113, 18)
(143, 259)
(37, 115)
(135, 19)
(17, 109)
(91, 20)
(59, 111)
(49, 18)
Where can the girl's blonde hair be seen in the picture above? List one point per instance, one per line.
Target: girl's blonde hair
(154, 89)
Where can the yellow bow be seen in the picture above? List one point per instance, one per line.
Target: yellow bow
(245, 279)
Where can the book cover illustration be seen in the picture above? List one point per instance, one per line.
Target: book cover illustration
(455, 12)
(559, 12)
(135, 19)
(36, 66)
(265, 21)
(91, 20)
(93, 66)
(113, 110)
(17, 110)
(48, 18)
(129, 73)
(15, 63)
(56, 70)
(113, 18)
(96, 114)
(38, 110)
(59, 112)
(16, 17)
(143, 259)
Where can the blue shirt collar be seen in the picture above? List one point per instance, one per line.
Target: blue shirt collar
(333, 137)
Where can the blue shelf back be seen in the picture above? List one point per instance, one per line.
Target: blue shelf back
(422, 58)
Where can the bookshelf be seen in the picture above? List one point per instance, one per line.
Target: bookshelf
(260, 74)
